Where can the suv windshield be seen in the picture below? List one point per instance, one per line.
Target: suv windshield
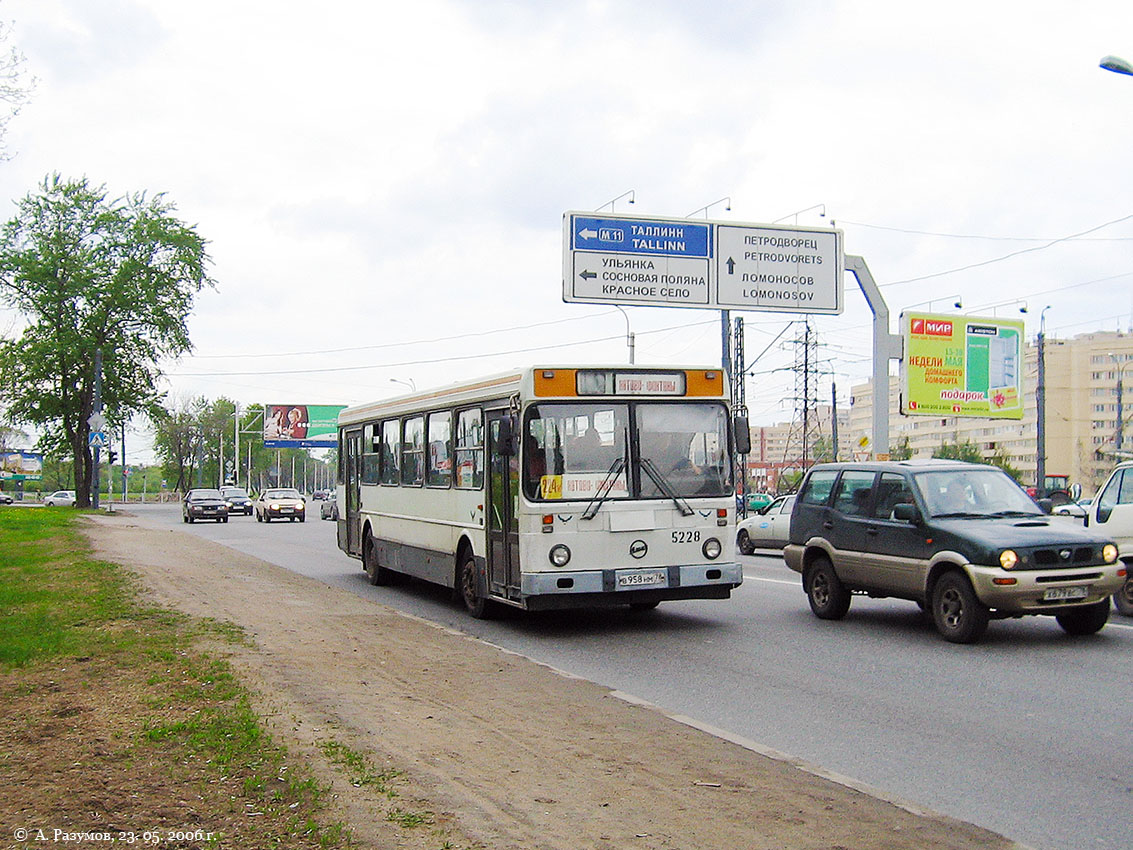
(579, 451)
(975, 492)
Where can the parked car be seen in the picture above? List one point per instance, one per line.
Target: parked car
(239, 502)
(1111, 514)
(1076, 509)
(59, 497)
(962, 540)
(768, 528)
(280, 503)
(328, 509)
(6, 499)
(204, 503)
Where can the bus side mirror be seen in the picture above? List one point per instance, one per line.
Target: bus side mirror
(743, 435)
(505, 442)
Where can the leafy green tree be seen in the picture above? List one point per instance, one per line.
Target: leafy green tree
(90, 273)
(903, 451)
(177, 436)
(15, 84)
(968, 451)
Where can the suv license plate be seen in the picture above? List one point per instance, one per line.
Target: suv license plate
(1065, 594)
(638, 579)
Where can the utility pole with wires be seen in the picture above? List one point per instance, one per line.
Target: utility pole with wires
(739, 408)
(806, 385)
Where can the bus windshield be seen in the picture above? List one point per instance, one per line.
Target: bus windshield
(574, 451)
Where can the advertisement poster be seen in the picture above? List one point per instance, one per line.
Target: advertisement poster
(301, 426)
(21, 466)
(962, 366)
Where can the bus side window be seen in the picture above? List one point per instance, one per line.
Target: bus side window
(470, 449)
(388, 466)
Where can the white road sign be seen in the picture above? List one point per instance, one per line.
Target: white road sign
(656, 262)
(789, 270)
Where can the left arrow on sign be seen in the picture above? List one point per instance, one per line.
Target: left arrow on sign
(588, 275)
(588, 233)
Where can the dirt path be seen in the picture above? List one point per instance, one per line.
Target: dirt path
(506, 753)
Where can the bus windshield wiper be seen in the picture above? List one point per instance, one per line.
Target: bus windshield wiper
(604, 488)
(665, 487)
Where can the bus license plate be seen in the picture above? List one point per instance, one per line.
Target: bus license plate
(1065, 594)
(639, 579)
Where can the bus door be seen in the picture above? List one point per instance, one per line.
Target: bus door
(503, 504)
(352, 467)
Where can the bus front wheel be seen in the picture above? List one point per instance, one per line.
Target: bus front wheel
(470, 594)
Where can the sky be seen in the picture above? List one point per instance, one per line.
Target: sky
(382, 185)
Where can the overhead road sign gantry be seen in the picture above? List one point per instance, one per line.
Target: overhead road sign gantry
(636, 260)
(659, 262)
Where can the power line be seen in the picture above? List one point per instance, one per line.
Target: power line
(977, 236)
(429, 360)
(1007, 256)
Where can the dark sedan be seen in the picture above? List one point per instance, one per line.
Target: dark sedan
(204, 504)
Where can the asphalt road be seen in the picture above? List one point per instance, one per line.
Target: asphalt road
(1027, 733)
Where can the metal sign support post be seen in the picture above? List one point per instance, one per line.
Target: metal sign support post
(886, 347)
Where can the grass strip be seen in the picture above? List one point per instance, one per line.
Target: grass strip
(116, 714)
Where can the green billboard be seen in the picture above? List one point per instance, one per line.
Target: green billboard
(962, 366)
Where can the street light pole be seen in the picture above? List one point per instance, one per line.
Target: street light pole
(1119, 431)
(1040, 412)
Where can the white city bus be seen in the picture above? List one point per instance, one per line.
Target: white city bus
(548, 487)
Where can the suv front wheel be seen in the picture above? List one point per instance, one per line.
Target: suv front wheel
(828, 597)
(959, 616)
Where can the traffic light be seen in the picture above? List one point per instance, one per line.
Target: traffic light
(111, 456)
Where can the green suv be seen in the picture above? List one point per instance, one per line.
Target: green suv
(962, 540)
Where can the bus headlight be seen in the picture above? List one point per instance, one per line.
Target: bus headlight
(1008, 559)
(711, 548)
(1109, 553)
(559, 555)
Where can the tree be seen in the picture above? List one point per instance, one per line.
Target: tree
(93, 274)
(15, 84)
(969, 452)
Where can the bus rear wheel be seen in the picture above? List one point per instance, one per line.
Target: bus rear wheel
(474, 601)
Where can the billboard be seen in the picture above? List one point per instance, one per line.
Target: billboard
(301, 426)
(962, 366)
(21, 466)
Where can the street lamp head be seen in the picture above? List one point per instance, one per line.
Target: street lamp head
(1117, 65)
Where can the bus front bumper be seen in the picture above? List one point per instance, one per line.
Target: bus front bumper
(629, 586)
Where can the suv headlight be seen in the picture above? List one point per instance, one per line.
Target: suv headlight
(1109, 553)
(1008, 559)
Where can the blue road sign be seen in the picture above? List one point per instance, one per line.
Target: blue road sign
(650, 237)
(97, 440)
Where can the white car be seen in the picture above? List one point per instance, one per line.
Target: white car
(59, 497)
(766, 529)
(1078, 509)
